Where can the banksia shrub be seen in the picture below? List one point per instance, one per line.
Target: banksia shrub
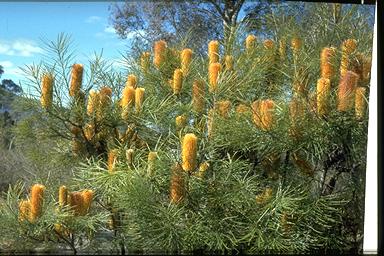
(198, 93)
(346, 91)
(152, 156)
(24, 210)
(46, 91)
(228, 62)
(93, 100)
(145, 61)
(323, 92)
(214, 70)
(223, 107)
(139, 99)
(360, 102)
(159, 49)
(189, 152)
(76, 79)
(213, 51)
(131, 81)
(112, 159)
(250, 42)
(177, 81)
(347, 48)
(185, 59)
(326, 62)
(37, 195)
(177, 189)
(63, 195)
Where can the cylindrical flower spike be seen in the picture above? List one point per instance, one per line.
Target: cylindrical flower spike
(76, 79)
(89, 131)
(223, 107)
(326, 62)
(131, 81)
(214, 70)
(75, 200)
(93, 100)
(186, 59)
(213, 51)
(112, 159)
(159, 53)
(152, 156)
(177, 81)
(323, 93)
(189, 152)
(87, 196)
(267, 108)
(177, 188)
(296, 45)
(139, 98)
(346, 91)
(181, 122)
(63, 194)
(282, 49)
(269, 44)
(198, 93)
(24, 210)
(360, 102)
(145, 61)
(129, 154)
(37, 194)
(47, 91)
(250, 42)
(256, 113)
(229, 62)
(127, 100)
(347, 48)
(105, 96)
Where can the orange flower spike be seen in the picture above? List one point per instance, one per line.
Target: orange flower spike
(267, 108)
(76, 79)
(46, 91)
(214, 70)
(131, 81)
(75, 200)
(326, 67)
(186, 59)
(323, 95)
(198, 93)
(347, 48)
(256, 113)
(159, 53)
(250, 42)
(139, 99)
(177, 188)
(177, 81)
(189, 152)
(87, 197)
(229, 62)
(63, 195)
(105, 96)
(37, 194)
(112, 159)
(24, 210)
(145, 61)
(213, 51)
(360, 102)
(223, 107)
(346, 91)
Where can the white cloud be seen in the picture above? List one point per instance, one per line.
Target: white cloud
(109, 30)
(25, 48)
(93, 19)
(6, 64)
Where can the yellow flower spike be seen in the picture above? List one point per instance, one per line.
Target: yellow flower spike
(145, 61)
(202, 169)
(223, 107)
(152, 156)
(189, 152)
(93, 100)
(181, 122)
(186, 59)
(46, 91)
(63, 195)
(326, 58)
(24, 210)
(269, 44)
(37, 195)
(177, 187)
(177, 81)
(360, 102)
(282, 48)
(139, 98)
(112, 160)
(76, 79)
(87, 196)
(89, 131)
(228, 62)
(347, 48)
(346, 91)
(256, 113)
(131, 81)
(323, 93)
(129, 154)
(250, 42)
(296, 45)
(267, 108)
(159, 53)
(127, 100)
(213, 51)
(214, 70)
(198, 93)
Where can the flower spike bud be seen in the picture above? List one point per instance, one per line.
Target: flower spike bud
(177, 187)
(203, 167)
(145, 61)
(63, 194)
(346, 91)
(326, 58)
(223, 107)
(213, 51)
(347, 48)
(186, 59)
(47, 91)
(250, 42)
(360, 102)
(159, 53)
(189, 152)
(37, 194)
(76, 79)
(131, 81)
(139, 99)
(24, 210)
(229, 62)
(323, 94)
(181, 122)
(177, 81)
(214, 70)
(112, 160)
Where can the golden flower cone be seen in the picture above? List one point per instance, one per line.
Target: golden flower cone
(181, 122)
(63, 194)
(87, 196)
(214, 70)
(326, 62)
(360, 102)
(89, 131)
(347, 48)
(186, 59)
(223, 107)
(177, 81)
(131, 81)
(24, 210)
(159, 53)
(76, 79)
(93, 100)
(228, 62)
(127, 100)
(46, 91)
(145, 61)
(139, 99)
(75, 200)
(323, 93)
(267, 108)
(213, 51)
(189, 152)
(250, 42)
(346, 91)
(198, 93)
(112, 159)
(37, 195)
(177, 187)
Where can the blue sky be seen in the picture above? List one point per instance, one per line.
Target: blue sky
(23, 26)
